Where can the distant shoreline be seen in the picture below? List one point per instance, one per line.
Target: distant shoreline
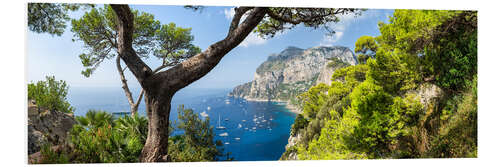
(288, 106)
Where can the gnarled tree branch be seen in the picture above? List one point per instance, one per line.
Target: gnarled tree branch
(198, 66)
(125, 31)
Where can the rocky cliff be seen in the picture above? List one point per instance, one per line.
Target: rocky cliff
(285, 75)
(47, 127)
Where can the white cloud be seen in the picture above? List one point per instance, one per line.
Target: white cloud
(204, 114)
(344, 23)
(329, 40)
(229, 13)
(253, 39)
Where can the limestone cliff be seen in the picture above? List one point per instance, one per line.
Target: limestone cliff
(285, 75)
(47, 127)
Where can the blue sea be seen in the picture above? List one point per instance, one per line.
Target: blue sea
(254, 131)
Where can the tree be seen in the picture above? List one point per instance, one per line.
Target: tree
(196, 143)
(366, 47)
(161, 86)
(97, 29)
(50, 94)
(49, 17)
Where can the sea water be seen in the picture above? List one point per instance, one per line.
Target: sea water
(253, 131)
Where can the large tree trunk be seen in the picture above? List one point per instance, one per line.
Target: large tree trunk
(158, 111)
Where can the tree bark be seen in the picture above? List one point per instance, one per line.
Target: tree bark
(158, 111)
(160, 87)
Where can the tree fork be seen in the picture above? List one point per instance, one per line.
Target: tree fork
(160, 87)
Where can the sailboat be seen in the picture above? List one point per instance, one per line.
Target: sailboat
(219, 127)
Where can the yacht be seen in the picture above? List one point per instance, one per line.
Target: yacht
(219, 127)
(224, 134)
(237, 138)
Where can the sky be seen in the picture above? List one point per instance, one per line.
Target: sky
(49, 55)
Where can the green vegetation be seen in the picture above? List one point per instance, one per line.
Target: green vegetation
(366, 47)
(50, 94)
(49, 17)
(376, 109)
(196, 144)
(335, 62)
(99, 138)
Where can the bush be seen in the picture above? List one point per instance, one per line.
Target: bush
(299, 123)
(196, 144)
(100, 139)
(50, 94)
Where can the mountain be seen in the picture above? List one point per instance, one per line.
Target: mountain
(293, 71)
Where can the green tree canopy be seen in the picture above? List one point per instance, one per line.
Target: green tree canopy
(50, 18)
(365, 48)
(50, 94)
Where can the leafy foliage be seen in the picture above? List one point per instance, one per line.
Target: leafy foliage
(374, 109)
(50, 17)
(282, 19)
(458, 135)
(95, 118)
(97, 29)
(196, 144)
(50, 94)
(365, 48)
(99, 138)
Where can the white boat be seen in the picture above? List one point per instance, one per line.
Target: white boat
(224, 134)
(239, 126)
(264, 120)
(254, 128)
(246, 128)
(208, 108)
(204, 114)
(226, 143)
(243, 120)
(219, 127)
(237, 138)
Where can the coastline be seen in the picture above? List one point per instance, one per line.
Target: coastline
(288, 106)
(293, 108)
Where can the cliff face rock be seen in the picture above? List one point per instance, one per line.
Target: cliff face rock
(287, 74)
(291, 153)
(47, 127)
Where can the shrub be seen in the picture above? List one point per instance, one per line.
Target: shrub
(50, 94)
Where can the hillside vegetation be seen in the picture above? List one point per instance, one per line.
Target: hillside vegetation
(413, 95)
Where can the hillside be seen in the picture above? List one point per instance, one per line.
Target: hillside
(293, 71)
